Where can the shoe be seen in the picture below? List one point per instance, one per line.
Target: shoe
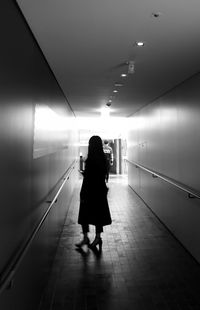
(97, 241)
(85, 241)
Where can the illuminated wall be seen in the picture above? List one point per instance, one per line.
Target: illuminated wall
(164, 137)
(38, 144)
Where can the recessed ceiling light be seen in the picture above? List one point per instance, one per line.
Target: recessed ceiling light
(140, 43)
(123, 75)
(115, 91)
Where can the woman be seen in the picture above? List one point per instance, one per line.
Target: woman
(94, 207)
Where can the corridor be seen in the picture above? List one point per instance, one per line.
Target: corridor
(129, 72)
(141, 267)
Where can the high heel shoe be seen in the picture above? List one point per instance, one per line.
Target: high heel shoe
(97, 241)
(85, 241)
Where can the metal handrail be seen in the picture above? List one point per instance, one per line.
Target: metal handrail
(7, 276)
(191, 193)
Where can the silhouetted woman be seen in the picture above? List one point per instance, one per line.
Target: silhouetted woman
(94, 207)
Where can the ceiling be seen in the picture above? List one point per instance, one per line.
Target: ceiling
(88, 45)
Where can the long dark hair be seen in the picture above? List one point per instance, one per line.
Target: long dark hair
(95, 151)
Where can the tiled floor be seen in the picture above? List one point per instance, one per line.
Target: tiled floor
(141, 267)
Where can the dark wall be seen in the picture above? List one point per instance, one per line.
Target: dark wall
(165, 137)
(38, 144)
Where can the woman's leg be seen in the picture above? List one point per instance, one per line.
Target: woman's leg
(99, 230)
(85, 228)
(85, 240)
(97, 240)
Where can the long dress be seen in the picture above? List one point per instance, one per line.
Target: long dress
(94, 207)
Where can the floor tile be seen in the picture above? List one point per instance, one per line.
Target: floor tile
(141, 265)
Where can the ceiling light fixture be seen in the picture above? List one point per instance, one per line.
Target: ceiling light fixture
(156, 14)
(140, 43)
(109, 103)
(115, 91)
(123, 75)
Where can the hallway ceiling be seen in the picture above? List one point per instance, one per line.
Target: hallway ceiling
(88, 45)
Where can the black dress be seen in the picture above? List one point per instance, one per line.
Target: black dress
(94, 207)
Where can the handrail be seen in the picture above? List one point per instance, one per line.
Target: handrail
(191, 193)
(6, 278)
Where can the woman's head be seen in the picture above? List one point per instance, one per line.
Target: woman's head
(95, 145)
(96, 154)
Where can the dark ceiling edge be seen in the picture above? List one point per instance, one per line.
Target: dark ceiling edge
(165, 93)
(43, 56)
